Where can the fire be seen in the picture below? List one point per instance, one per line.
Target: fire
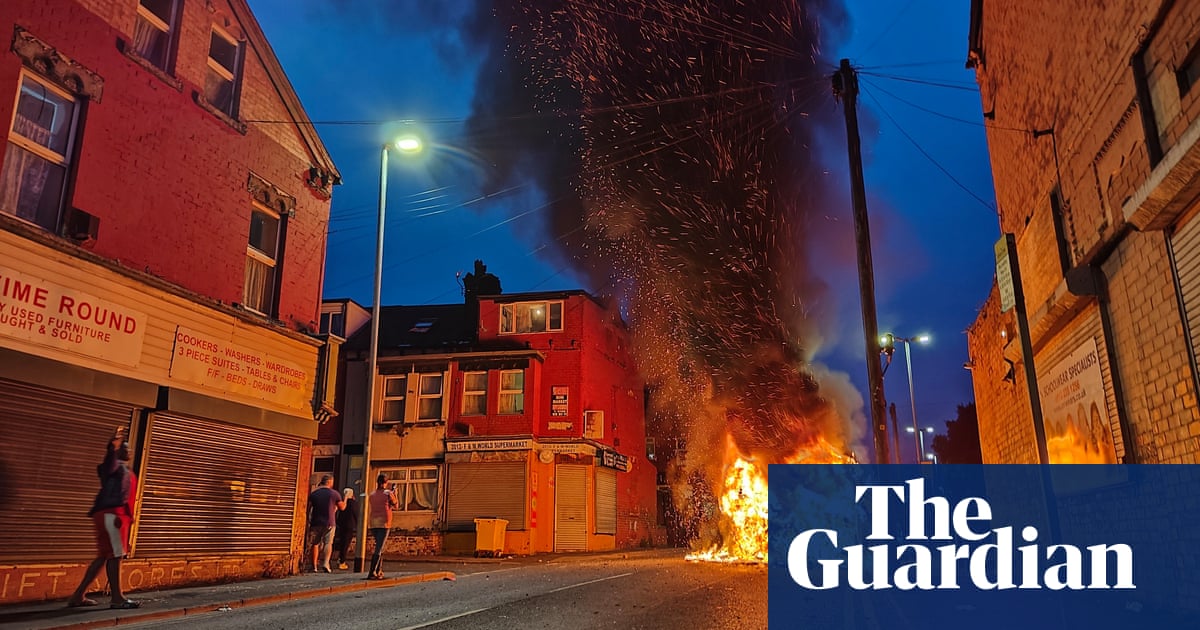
(743, 502)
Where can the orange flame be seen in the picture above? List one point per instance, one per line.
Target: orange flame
(743, 502)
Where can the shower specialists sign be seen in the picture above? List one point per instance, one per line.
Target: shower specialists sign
(982, 546)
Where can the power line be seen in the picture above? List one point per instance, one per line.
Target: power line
(942, 115)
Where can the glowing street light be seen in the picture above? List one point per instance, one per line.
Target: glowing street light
(921, 454)
(887, 341)
(408, 144)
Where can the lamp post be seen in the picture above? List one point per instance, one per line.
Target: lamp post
(406, 144)
(887, 340)
(922, 456)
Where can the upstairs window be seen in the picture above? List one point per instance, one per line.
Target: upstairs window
(430, 397)
(1189, 73)
(531, 317)
(474, 393)
(333, 323)
(262, 256)
(38, 156)
(394, 390)
(154, 35)
(512, 392)
(224, 63)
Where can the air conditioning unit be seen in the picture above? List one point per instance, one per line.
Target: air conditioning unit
(593, 424)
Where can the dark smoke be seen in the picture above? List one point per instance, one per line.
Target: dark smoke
(676, 143)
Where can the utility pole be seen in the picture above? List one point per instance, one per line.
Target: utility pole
(845, 85)
(895, 432)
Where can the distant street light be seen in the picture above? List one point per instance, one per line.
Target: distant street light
(406, 144)
(887, 340)
(921, 454)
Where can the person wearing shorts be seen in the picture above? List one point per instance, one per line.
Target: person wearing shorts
(323, 505)
(112, 515)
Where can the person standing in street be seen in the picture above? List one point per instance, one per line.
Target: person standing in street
(380, 505)
(323, 505)
(112, 514)
(347, 527)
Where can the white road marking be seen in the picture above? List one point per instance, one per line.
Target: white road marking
(437, 621)
(611, 577)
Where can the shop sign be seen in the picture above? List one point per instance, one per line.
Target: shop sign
(570, 448)
(35, 310)
(558, 400)
(489, 445)
(220, 364)
(613, 459)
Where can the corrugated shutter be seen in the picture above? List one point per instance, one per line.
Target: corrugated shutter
(52, 442)
(570, 507)
(606, 501)
(1086, 326)
(1185, 248)
(485, 489)
(211, 488)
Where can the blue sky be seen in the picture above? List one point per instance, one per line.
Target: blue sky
(360, 66)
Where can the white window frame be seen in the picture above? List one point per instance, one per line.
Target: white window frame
(511, 394)
(38, 149)
(400, 398)
(474, 393)
(440, 396)
(508, 316)
(166, 28)
(401, 479)
(229, 74)
(266, 302)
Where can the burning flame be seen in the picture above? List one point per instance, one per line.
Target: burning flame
(743, 502)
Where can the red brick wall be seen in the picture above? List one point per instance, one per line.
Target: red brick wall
(166, 178)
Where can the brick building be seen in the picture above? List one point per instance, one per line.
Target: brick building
(161, 270)
(525, 407)
(1093, 115)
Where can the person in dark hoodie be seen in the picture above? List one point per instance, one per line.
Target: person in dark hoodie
(112, 515)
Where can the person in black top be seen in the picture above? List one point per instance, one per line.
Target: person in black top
(323, 504)
(347, 527)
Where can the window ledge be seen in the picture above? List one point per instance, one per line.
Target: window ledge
(132, 55)
(235, 124)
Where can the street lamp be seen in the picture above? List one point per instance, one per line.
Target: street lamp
(409, 144)
(921, 454)
(888, 339)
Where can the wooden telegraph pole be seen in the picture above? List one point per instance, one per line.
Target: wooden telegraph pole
(845, 85)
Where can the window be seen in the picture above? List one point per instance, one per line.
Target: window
(394, 389)
(531, 317)
(1189, 73)
(416, 488)
(37, 158)
(475, 393)
(512, 392)
(422, 326)
(324, 464)
(430, 397)
(333, 324)
(261, 261)
(155, 31)
(221, 83)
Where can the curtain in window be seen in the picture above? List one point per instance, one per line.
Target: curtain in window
(150, 43)
(26, 174)
(424, 495)
(258, 282)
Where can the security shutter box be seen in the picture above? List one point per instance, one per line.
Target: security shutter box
(53, 441)
(211, 488)
(485, 489)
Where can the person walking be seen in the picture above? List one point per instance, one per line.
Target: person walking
(347, 527)
(323, 504)
(112, 514)
(380, 505)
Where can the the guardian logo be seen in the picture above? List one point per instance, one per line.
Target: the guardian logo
(988, 566)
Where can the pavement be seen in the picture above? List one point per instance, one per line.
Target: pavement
(181, 602)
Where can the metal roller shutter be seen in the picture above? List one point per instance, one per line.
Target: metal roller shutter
(211, 488)
(485, 489)
(1185, 250)
(606, 501)
(570, 507)
(52, 442)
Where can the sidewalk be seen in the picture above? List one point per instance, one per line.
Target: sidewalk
(175, 603)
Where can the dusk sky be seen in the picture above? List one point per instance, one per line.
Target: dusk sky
(363, 67)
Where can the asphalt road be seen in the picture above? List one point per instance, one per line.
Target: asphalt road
(660, 591)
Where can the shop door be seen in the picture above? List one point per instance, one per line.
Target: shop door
(570, 507)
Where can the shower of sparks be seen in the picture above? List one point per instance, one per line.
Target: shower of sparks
(674, 140)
